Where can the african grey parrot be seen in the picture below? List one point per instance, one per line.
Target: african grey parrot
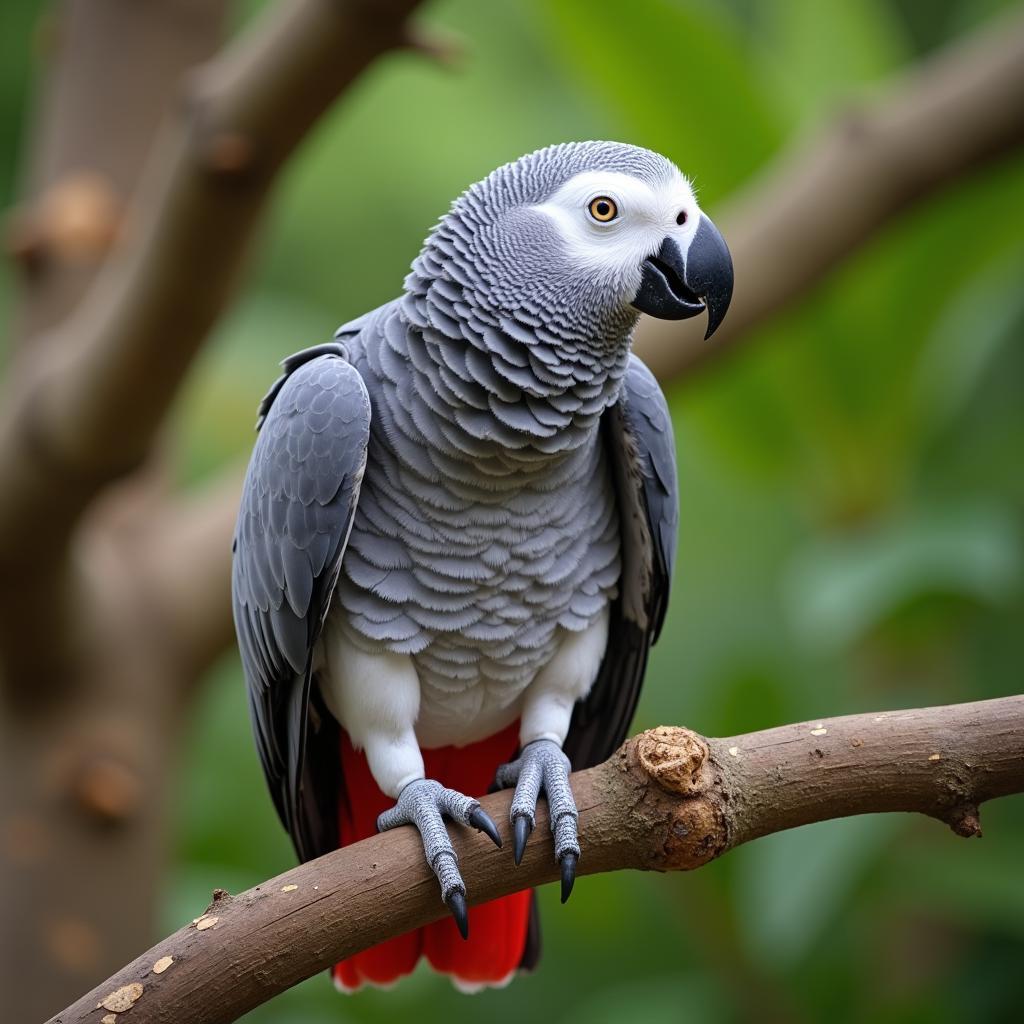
(458, 526)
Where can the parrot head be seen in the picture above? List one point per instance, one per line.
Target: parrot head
(580, 238)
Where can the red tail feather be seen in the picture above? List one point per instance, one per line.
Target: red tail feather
(497, 930)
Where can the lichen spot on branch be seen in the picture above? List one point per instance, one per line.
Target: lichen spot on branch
(122, 999)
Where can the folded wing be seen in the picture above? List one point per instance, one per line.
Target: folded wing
(641, 450)
(298, 502)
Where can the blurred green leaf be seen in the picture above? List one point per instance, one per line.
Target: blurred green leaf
(660, 1000)
(980, 889)
(839, 46)
(839, 588)
(676, 76)
(983, 316)
(829, 392)
(968, 895)
(20, 40)
(791, 888)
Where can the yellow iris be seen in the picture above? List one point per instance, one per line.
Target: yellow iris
(603, 209)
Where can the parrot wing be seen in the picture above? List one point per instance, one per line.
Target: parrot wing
(641, 451)
(298, 502)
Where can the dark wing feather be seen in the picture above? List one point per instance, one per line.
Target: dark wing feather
(298, 501)
(641, 451)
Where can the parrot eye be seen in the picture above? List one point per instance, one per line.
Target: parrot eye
(603, 209)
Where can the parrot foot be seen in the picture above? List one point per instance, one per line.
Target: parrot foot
(424, 803)
(541, 764)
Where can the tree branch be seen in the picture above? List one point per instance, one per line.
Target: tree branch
(91, 700)
(668, 799)
(85, 401)
(94, 124)
(89, 409)
(822, 200)
(111, 73)
(194, 544)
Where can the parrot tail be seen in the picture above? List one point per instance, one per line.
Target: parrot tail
(503, 934)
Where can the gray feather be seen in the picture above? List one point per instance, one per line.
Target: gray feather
(298, 503)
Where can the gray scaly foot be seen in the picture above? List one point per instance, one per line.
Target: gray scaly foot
(422, 803)
(543, 765)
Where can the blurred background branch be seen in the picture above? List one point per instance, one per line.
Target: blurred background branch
(89, 400)
(129, 249)
(95, 124)
(852, 495)
(822, 200)
(666, 800)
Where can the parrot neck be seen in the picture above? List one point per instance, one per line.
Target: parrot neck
(509, 387)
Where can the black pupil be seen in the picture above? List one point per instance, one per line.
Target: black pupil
(603, 209)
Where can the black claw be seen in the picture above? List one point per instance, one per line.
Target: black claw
(457, 905)
(523, 828)
(483, 822)
(568, 874)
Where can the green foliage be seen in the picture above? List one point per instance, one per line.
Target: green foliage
(852, 499)
(944, 555)
(669, 77)
(817, 54)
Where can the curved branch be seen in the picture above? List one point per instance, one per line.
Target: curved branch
(667, 799)
(86, 407)
(84, 402)
(194, 544)
(111, 71)
(822, 200)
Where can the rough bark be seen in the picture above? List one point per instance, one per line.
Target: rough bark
(668, 799)
(128, 244)
(827, 196)
(84, 405)
(99, 406)
(94, 123)
(90, 709)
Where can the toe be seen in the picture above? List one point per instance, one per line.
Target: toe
(422, 804)
(524, 800)
(507, 775)
(564, 816)
(392, 818)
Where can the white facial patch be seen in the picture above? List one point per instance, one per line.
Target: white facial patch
(645, 216)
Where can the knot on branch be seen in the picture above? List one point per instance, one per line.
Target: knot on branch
(693, 820)
(675, 758)
(107, 789)
(77, 221)
(965, 821)
(228, 154)
(219, 898)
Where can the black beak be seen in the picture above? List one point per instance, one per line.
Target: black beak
(678, 285)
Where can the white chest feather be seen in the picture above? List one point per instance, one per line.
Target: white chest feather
(385, 703)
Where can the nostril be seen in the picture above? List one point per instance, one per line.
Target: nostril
(681, 217)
